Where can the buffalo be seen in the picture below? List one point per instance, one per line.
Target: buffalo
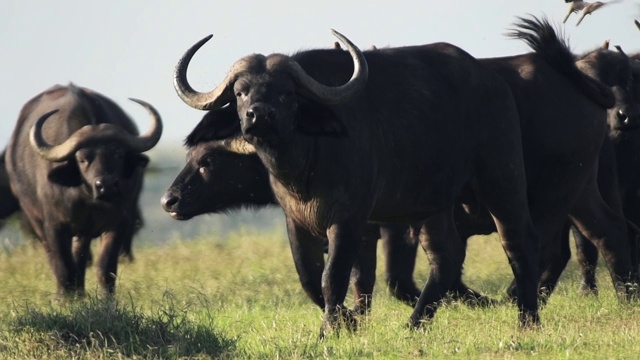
(9, 206)
(618, 176)
(619, 162)
(564, 135)
(379, 138)
(84, 186)
(562, 130)
(222, 175)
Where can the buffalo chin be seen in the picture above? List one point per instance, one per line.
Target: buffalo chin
(179, 216)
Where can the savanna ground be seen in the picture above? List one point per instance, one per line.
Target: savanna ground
(239, 297)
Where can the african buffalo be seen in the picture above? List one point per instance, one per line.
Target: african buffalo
(561, 164)
(222, 175)
(563, 131)
(86, 185)
(619, 174)
(618, 168)
(387, 145)
(618, 178)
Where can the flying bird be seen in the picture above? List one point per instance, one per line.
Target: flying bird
(584, 6)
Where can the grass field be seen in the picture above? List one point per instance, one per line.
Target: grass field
(239, 297)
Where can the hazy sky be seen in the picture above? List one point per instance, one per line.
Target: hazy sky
(129, 48)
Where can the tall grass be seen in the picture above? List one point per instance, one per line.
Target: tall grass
(239, 297)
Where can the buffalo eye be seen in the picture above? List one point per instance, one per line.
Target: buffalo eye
(82, 160)
(205, 167)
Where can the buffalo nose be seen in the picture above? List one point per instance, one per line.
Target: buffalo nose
(260, 112)
(100, 186)
(622, 117)
(251, 115)
(105, 186)
(168, 200)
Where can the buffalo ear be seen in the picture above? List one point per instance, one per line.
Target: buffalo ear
(215, 125)
(66, 174)
(133, 162)
(315, 119)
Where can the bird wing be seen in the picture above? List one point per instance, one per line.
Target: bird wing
(572, 10)
(592, 8)
(582, 15)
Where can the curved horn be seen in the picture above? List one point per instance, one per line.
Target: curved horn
(202, 101)
(338, 94)
(148, 140)
(94, 133)
(52, 153)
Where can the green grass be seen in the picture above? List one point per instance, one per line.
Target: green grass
(239, 297)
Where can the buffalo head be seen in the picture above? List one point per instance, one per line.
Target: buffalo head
(98, 156)
(269, 94)
(218, 176)
(618, 71)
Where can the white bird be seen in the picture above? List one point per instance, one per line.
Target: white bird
(584, 6)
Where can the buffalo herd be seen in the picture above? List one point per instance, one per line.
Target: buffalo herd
(411, 145)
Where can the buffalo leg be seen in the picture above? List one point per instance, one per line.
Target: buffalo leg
(609, 187)
(608, 231)
(81, 255)
(345, 238)
(459, 290)
(363, 274)
(632, 212)
(308, 258)
(556, 263)
(587, 256)
(506, 200)
(400, 260)
(57, 241)
(111, 243)
(445, 250)
(468, 224)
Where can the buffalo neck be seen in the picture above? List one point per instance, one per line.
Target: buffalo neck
(290, 163)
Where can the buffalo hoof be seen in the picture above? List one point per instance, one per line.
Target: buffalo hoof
(419, 324)
(70, 295)
(337, 320)
(406, 294)
(530, 320)
(589, 289)
(473, 299)
(628, 292)
(362, 307)
(543, 294)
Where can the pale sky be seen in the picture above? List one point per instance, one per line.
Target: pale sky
(129, 48)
